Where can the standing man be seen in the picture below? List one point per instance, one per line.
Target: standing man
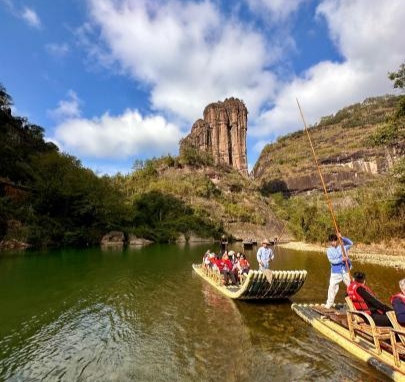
(223, 245)
(340, 265)
(264, 255)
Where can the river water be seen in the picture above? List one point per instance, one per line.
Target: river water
(141, 314)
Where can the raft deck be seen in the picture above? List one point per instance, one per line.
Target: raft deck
(332, 323)
(256, 286)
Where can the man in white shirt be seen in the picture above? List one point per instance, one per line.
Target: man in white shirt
(264, 255)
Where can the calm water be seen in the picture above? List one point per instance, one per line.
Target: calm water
(142, 315)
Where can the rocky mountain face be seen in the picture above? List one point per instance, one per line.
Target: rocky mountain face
(222, 133)
(342, 145)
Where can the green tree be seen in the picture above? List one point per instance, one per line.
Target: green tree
(398, 77)
(5, 99)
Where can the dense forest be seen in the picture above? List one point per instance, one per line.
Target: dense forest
(48, 198)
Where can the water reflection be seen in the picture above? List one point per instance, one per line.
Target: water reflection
(141, 314)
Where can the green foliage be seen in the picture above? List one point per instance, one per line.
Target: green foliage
(18, 141)
(189, 155)
(386, 135)
(51, 198)
(398, 77)
(5, 99)
(397, 206)
(162, 218)
(82, 205)
(368, 213)
(393, 131)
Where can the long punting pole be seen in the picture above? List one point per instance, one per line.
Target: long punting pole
(282, 232)
(328, 201)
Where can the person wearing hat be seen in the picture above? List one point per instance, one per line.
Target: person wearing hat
(264, 255)
(364, 300)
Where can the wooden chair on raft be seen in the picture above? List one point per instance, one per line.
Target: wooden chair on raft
(362, 323)
(397, 337)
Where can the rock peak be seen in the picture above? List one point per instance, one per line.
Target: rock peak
(222, 133)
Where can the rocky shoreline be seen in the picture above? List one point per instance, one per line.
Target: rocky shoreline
(387, 255)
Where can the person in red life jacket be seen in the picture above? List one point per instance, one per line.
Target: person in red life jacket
(364, 300)
(225, 268)
(244, 265)
(398, 302)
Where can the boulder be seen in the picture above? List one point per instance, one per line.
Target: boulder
(133, 240)
(113, 238)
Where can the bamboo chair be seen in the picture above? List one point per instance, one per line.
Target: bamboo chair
(398, 332)
(361, 322)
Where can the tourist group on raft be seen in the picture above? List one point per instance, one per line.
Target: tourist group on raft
(233, 267)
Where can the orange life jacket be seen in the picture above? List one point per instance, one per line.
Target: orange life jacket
(357, 300)
(243, 263)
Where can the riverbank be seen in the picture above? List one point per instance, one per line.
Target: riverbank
(391, 254)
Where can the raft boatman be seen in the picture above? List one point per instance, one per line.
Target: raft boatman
(264, 255)
(223, 245)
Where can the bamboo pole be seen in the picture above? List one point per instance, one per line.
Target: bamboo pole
(282, 232)
(328, 201)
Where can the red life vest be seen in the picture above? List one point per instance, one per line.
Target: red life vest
(219, 264)
(244, 264)
(357, 300)
(398, 295)
(227, 265)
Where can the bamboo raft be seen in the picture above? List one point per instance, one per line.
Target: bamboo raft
(256, 285)
(334, 324)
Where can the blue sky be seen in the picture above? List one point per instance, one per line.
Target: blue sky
(112, 81)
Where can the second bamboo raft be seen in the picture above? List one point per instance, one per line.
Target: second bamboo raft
(256, 285)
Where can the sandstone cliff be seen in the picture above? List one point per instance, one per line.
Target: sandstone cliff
(342, 146)
(222, 133)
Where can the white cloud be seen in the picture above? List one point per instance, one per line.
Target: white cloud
(30, 16)
(67, 109)
(366, 35)
(123, 136)
(57, 50)
(274, 9)
(366, 32)
(189, 54)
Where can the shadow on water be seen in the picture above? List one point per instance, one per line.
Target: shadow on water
(142, 314)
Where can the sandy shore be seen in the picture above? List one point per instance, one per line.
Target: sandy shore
(382, 254)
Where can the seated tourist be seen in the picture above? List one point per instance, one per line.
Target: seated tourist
(398, 302)
(364, 300)
(225, 269)
(213, 261)
(232, 257)
(244, 265)
(206, 259)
